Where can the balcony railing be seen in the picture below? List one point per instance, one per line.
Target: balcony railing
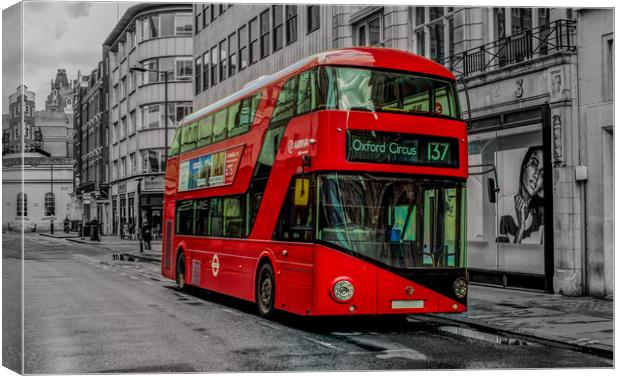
(526, 45)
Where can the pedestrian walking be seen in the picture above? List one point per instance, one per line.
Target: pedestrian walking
(66, 223)
(146, 235)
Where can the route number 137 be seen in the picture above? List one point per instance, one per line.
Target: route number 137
(437, 151)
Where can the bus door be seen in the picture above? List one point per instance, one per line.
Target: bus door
(294, 270)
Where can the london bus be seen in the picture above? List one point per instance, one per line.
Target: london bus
(333, 187)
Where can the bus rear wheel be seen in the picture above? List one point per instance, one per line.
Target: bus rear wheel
(181, 272)
(266, 291)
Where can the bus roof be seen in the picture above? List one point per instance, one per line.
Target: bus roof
(372, 57)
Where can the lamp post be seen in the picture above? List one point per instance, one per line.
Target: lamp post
(139, 191)
(165, 73)
(53, 209)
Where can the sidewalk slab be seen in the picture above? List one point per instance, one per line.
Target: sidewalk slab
(582, 323)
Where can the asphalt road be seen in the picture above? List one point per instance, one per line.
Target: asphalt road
(86, 313)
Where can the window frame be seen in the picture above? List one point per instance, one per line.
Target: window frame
(309, 18)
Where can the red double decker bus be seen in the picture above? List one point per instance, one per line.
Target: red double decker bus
(333, 187)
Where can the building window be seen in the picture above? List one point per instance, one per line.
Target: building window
(214, 66)
(291, 24)
(435, 13)
(232, 54)
(123, 127)
(214, 12)
(150, 27)
(123, 166)
(22, 205)
(123, 88)
(150, 116)
(253, 36)
(115, 172)
(314, 22)
(183, 24)
(242, 35)
(206, 15)
(205, 70)
(133, 162)
(419, 16)
(420, 37)
(115, 132)
(278, 27)
(198, 22)
(499, 18)
(521, 19)
(132, 122)
(150, 77)
(437, 41)
(264, 34)
(198, 74)
(369, 31)
(183, 69)
(223, 60)
(182, 110)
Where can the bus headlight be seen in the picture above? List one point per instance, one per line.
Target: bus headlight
(343, 290)
(460, 288)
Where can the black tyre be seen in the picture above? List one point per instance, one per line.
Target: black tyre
(181, 272)
(266, 291)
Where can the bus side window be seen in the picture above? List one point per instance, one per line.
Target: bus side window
(205, 128)
(176, 142)
(189, 138)
(219, 125)
(233, 120)
(216, 217)
(285, 109)
(201, 218)
(185, 218)
(306, 93)
(234, 226)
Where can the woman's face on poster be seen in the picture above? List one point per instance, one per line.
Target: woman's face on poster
(532, 179)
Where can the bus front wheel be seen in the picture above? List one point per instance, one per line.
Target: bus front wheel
(266, 291)
(181, 272)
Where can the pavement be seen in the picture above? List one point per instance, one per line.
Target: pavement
(581, 323)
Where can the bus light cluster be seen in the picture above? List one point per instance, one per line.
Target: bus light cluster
(343, 290)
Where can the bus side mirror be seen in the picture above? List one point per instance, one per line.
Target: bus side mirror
(492, 190)
(301, 192)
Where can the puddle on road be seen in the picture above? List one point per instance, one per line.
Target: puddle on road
(488, 337)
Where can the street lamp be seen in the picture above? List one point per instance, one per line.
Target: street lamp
(139, 191)
(165, 73)
(53, 210)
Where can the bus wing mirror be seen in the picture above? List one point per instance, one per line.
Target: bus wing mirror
(492, 190)
(301, 192)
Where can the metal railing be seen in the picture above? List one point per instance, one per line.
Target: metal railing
(526, 45)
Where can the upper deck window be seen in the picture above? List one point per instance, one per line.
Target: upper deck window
(375, 90)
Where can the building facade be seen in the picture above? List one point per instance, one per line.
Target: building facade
(37, 168)
(91, 146)
(521, 68)
(158, 38)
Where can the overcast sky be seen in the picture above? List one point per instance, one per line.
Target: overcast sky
(56, 35)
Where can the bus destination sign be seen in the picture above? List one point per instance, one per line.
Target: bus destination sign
(399, 148)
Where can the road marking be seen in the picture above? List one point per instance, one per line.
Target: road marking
(401, 353)
(274, 327)
(231, 311)
(121, 273)
(324, 344)
(147, 282)
(133, 277)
